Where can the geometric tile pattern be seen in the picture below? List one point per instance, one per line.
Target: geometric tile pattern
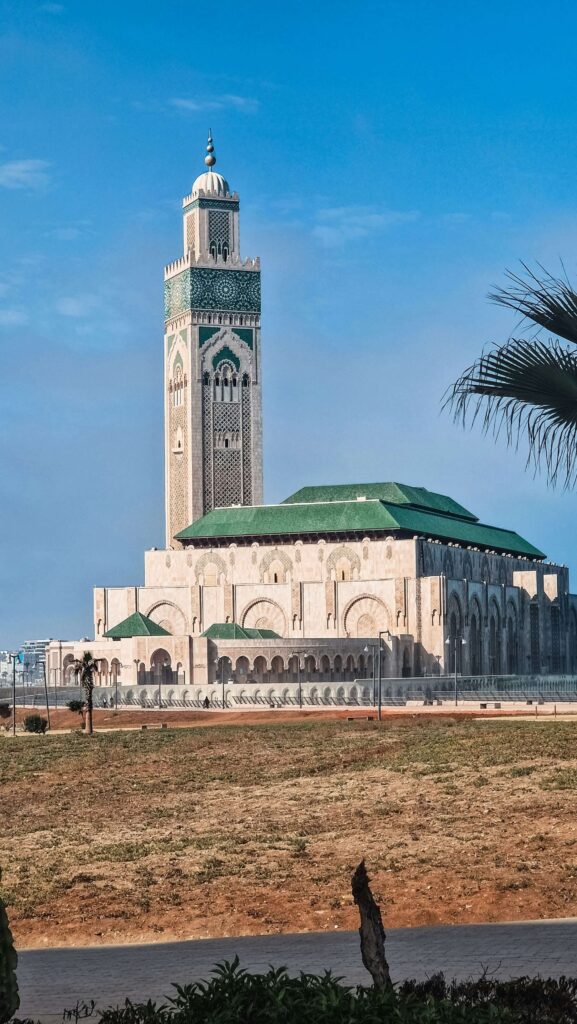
(211, 289)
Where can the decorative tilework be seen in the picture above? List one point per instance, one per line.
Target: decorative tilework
(218, 228)
(225, 354)
(245, 334)
(211, 204)
(205, 288)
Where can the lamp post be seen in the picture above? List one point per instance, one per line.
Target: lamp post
(300, 654)
(367, 649)
(382, 633)
(455, 640)
(14, 658)
(223, 661)
(136, 664)
(46, 690)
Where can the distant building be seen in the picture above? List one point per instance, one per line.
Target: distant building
(34, 652)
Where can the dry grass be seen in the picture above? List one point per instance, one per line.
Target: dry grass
(238, 829)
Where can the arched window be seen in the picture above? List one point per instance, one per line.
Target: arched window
(226, 442)
(245, 380)
(213, 250)
(177, 387)
(206, 378)
(475, 640)
(217, 380)
(225, 252)
(234, 382)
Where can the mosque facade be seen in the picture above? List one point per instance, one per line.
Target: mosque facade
(324, 586)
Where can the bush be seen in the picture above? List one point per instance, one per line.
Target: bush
(233, 996)
(35, 723)
(77, 706)
(5, 711)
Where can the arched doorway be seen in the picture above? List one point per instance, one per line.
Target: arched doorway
(161, 666)
(475, 641)
(260, 671)
(277, 669)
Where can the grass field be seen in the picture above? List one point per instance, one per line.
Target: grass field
(238, 829)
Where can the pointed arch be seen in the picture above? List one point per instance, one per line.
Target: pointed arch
(365, 615)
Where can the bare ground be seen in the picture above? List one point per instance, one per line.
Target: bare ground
(242, 828)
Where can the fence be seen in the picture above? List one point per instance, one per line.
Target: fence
(359, 693)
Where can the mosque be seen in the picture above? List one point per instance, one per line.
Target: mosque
(331, 585)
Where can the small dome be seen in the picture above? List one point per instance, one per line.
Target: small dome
(210, 181)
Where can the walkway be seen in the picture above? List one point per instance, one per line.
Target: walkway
(53, 979)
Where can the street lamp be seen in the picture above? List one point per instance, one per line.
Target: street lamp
(300, 654)
(165, 665)
(223, 662)
(382, 633)
(367, 649)
(455, 640)
(14, 658)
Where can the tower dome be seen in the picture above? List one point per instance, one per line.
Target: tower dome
(210, 181)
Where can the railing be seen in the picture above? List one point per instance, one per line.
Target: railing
(310, 694)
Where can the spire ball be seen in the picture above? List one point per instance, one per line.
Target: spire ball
(210, 159)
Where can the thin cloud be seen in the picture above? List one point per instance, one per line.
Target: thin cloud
(27, 174)
(340, 224)
(244, 104)
(12, 318)
(76, 306)
(64, 234)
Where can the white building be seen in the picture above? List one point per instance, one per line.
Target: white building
(261, 593)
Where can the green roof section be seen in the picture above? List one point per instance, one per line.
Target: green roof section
(135, 625)
(359, 516)
(393, 493)
(232, 631)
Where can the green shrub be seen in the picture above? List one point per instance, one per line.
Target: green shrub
(5, 711)
(35, 723)
(77, 706)
(233, 996)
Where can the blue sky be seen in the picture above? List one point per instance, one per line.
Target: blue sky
(392, 159)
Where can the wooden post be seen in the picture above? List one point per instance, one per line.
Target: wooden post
(371, 931)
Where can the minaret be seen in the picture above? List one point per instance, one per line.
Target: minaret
(212, 366)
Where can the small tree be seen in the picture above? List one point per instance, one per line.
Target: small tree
(78, 707)
(85, 668)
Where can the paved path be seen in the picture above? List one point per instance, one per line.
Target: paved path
(54, 979)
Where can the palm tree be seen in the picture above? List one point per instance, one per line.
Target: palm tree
(527, 388)
(85, 668)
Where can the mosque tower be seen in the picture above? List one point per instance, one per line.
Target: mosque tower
(212, 364)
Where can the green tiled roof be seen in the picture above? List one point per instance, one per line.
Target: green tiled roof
(345, 517)
(232, 631)
(395, 494)
(136, 625)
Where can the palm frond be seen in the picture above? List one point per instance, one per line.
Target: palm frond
(525, 388)
(542, 299)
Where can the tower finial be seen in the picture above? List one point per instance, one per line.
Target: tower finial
(210, 159)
